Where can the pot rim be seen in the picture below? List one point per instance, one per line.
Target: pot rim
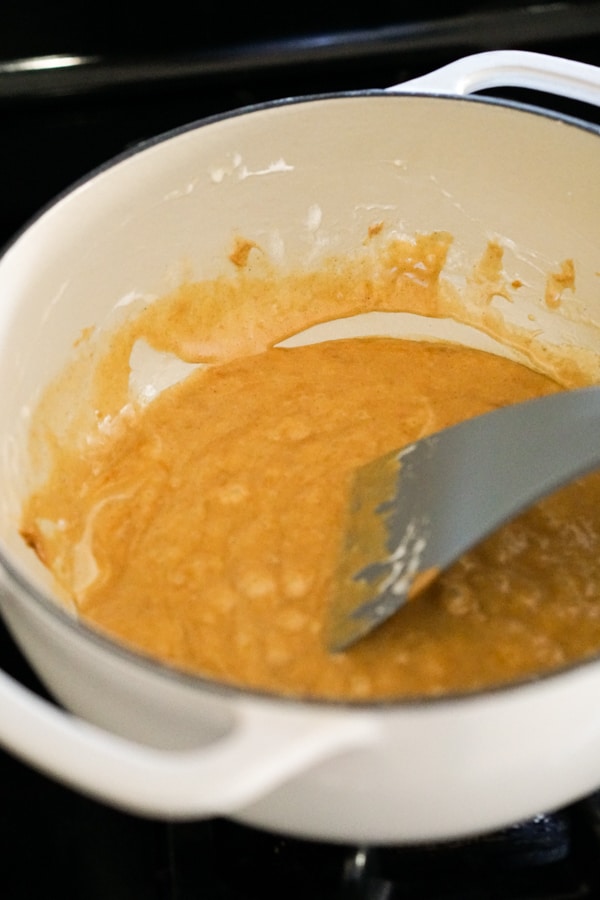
(518, 106)
(79, 627)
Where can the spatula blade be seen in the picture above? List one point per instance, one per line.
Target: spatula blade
(379, 569)
(416, 510)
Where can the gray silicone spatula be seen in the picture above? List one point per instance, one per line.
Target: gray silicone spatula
(415, 511)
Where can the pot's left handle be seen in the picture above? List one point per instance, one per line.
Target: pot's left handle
(510, 68)
(269, 744)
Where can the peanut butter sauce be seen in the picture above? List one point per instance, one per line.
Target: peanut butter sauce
(202, 526)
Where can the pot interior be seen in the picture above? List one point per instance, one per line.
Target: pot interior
(303, 181)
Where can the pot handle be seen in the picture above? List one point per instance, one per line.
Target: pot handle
(268, 745)
(510, 68)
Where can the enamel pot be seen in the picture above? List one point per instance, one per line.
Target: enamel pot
(301, 177)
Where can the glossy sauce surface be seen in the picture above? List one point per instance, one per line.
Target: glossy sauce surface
(205, 529)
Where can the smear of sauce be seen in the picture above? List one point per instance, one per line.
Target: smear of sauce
(558, 282)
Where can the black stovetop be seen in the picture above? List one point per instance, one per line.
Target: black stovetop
(56, 843)
(132, 74)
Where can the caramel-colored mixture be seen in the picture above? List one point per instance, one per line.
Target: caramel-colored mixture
(202, 524)
(206, 531)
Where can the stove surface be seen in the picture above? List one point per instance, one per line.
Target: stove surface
(57, 843)
(74, 95)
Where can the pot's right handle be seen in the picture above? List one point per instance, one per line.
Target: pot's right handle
(510, 68)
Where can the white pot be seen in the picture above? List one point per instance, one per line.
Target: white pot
(300, 177)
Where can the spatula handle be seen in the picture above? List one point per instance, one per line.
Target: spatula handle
(494, 466)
